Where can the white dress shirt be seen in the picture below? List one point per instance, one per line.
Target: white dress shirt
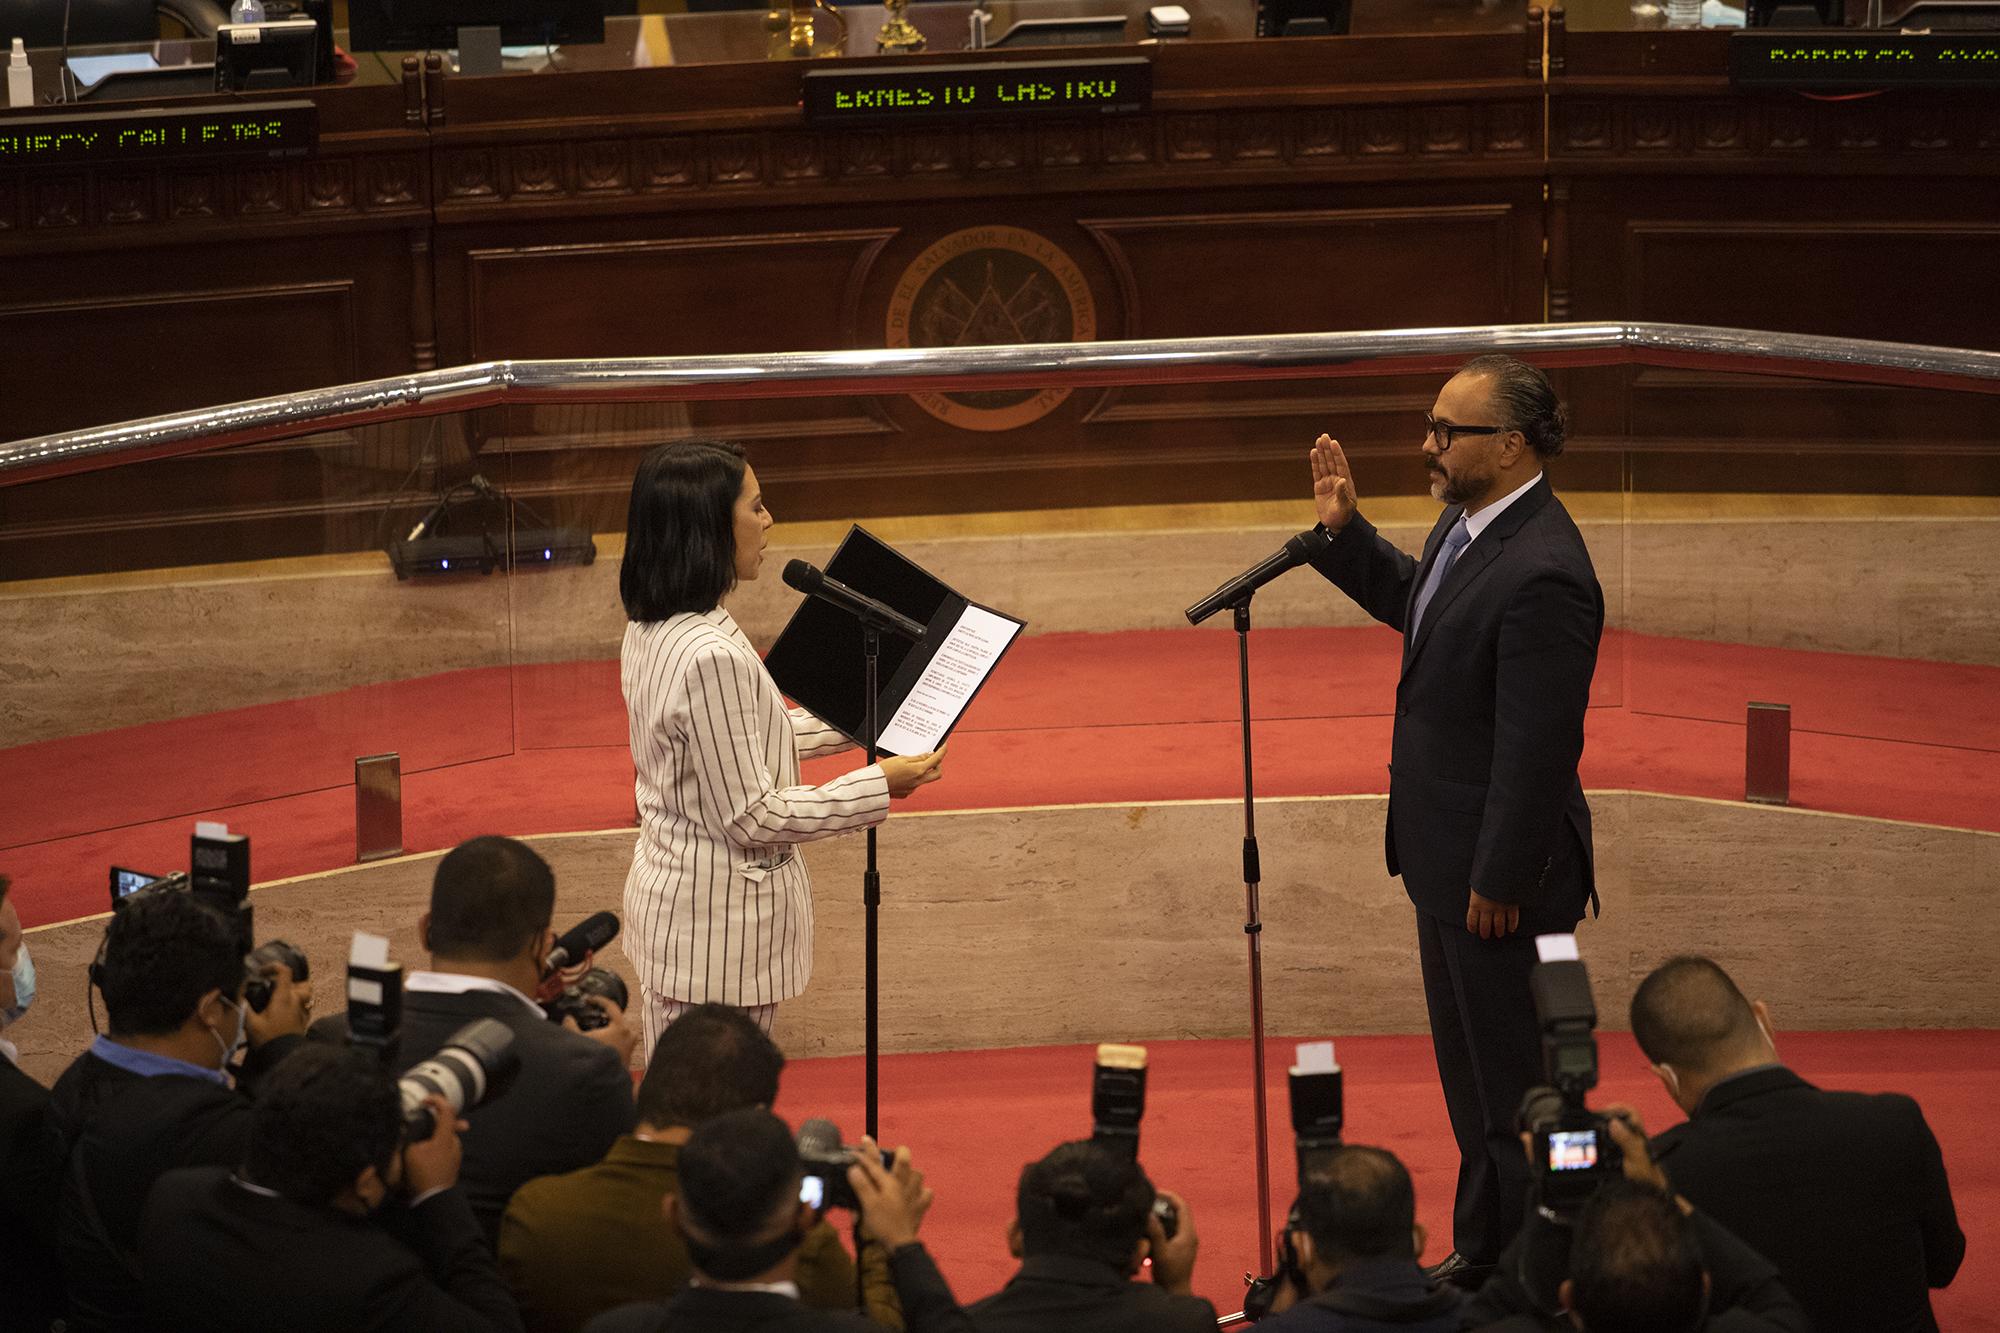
(1479, 522)
(717, 904)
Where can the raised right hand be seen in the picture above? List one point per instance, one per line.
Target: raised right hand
(907, 772)
(1333, 484)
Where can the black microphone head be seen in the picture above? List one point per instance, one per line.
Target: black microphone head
(819, 1141)
(802, 576)
(586, 936)
(1312, 542)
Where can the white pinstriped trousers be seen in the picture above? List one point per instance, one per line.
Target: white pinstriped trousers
(656, 1011)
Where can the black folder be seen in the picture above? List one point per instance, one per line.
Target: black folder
(818, 659)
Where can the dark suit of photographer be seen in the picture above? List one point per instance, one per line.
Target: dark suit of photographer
(155, 1093)
(1355, 1244)
(1812, 1179)
(1734, 1289)
(1083, 1226)
(288, 1240)
(487, 930)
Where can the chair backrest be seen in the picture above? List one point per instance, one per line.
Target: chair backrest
(91, 22)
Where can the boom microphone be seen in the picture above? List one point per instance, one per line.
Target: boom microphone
(586, 937)
(814, 583)
(1298, 551)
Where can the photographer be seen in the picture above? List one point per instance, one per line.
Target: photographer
(1355, 1245)
(30, 1158)
(309, 1233)
(156, 1092)
(1084, 1224)
(487, 931)
(712, 1060)
(739, 1213)
(1605, 1255)
(1845, 1192)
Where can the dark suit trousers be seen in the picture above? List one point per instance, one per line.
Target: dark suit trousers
(1489, 1054)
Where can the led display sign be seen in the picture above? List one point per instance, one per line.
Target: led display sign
(260, 129)
(1838, 58)
(895, 94)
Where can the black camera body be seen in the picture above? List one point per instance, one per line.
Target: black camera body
(1574, 1152)
(574, 1002)
(824, 1160)
(218, 877)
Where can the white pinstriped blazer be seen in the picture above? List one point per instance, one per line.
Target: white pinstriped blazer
(717, 904)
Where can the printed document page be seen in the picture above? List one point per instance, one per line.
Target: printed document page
(949, 680)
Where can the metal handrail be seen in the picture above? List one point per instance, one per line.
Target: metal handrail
(940, 370)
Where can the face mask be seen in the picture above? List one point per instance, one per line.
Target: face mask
(24, 988)
(229, 1049)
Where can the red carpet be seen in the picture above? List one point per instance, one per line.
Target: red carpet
(973, 1119)
(1135, 716)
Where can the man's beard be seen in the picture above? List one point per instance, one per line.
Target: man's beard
(1458, 490)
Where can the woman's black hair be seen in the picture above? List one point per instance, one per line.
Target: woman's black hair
(680, 532)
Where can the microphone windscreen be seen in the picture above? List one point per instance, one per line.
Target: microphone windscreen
(819, 1141)
(802, 576)
(586, 936)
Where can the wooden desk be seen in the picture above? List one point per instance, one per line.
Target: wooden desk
(661, 195)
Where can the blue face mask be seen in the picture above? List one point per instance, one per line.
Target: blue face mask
(24, 988)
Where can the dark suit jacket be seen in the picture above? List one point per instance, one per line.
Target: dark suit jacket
(221, 1258)
(1745, 1295)
(1483, 787)
(31, 1295)
(570, 1102)
(1059, 1294)
(553, 1249)
(1845, 1192)
(702, 1310)
(123, 1131)
(1375, 1296)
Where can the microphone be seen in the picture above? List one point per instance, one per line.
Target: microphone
(1290, 556)
(586, 937)
(814, 583)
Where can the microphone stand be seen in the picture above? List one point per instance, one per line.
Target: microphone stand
(1253, 931)
(871, 894)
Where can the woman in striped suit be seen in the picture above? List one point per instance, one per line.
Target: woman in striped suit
(718, 906)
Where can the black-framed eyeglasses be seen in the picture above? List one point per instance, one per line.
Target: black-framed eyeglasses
(1444, 432)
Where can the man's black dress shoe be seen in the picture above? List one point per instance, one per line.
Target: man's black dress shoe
(1460, 1272)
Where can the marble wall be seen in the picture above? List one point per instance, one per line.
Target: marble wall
(86, 655)
(1006, 928)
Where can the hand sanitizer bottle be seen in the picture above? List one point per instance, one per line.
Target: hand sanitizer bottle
(20, 78)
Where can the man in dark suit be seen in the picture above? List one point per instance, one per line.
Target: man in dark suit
(740, 1214)
(1487, 822)
(710, 1061)
(1356, 1243)
(487, 930)
(1634, 1258)
(1845, 1192)
(1083, 1226)
(156, 1092)
(287, 1239)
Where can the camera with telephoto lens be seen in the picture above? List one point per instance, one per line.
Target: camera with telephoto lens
(574, 1002)
(1117, 1105)
(1572, 1145)
(825, 1160)
(475, 1065)
(1318, 1111)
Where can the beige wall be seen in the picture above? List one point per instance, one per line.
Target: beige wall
(82, 655)
(1125, 922)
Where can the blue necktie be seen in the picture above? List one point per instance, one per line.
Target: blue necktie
(1454, 542)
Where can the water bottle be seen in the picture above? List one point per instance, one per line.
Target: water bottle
(246, 11)
(1683, 13)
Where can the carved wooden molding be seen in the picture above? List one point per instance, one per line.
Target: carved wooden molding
(119, 198)
(1639, 131)
(1423, 136)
